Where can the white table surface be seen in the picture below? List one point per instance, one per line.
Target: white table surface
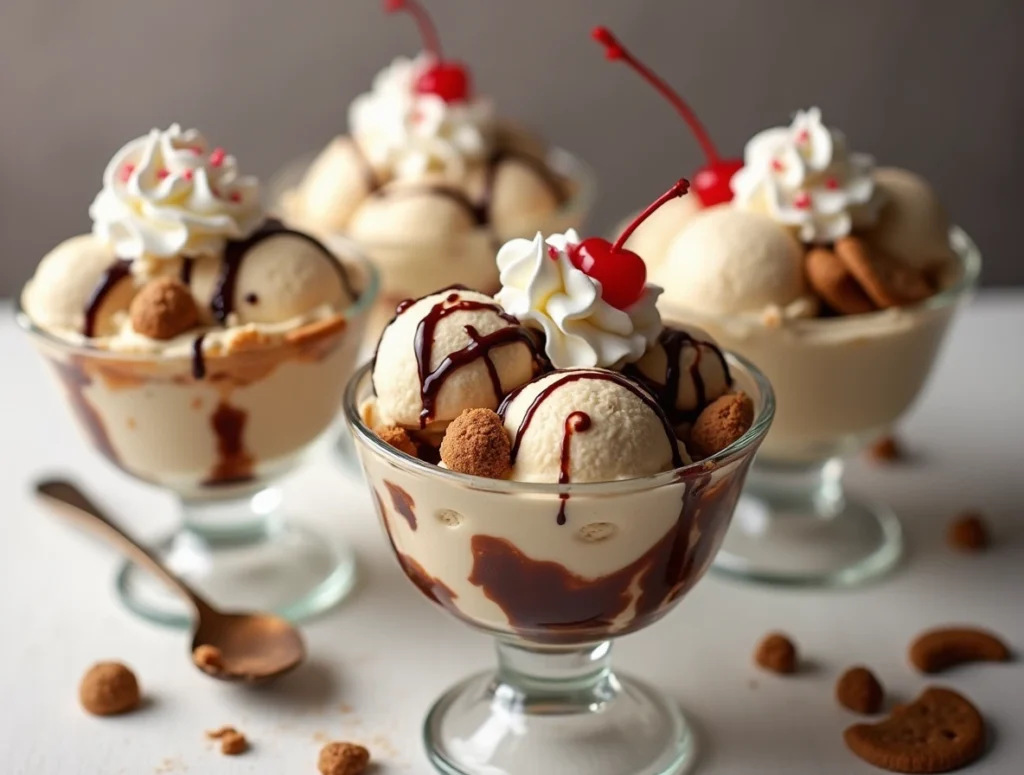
(381, 658)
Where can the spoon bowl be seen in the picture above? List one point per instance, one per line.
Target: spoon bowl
(249, 647)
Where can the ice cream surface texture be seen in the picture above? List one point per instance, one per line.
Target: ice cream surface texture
(201, 343)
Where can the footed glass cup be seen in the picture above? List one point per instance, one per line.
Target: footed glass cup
(219, 443)
(554, 596)
(840, 383)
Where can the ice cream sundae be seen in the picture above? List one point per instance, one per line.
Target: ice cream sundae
(554, 466)
(839, 279)
(202, 345)
(430, 179)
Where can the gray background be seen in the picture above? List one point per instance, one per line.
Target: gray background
(933, 85)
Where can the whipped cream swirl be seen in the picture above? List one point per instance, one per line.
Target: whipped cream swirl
(167, 194)
(804, 177)
(542, 287)
(412, 134)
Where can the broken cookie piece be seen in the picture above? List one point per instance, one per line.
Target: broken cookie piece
(721, 423)
(476, 443)
(343, 759)
(232, 742)
(163, 309)
(108, 689)
(398, 438)
(777, 653)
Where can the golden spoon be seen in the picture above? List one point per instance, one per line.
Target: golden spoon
(245, 647)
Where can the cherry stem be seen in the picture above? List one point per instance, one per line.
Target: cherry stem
(614, 50)
(678, 190)
(431, 40)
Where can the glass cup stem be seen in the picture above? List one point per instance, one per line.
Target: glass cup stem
(795, 526)
(235, 521)
(579, 679)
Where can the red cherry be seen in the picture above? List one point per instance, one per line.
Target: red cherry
(711, 183)
(448, 80)
(622, 273)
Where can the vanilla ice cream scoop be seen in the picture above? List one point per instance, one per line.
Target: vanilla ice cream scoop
(731, 261)
(914, 226)
(652, 237)
(685, 369)
(277, 276)
(587, 425)
(80, 288)
(447, 352)
(428, 210)
(336, 183)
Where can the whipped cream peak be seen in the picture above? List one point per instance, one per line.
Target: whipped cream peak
(169, 194)
(410, 133)
(804, 177)
(544, 289)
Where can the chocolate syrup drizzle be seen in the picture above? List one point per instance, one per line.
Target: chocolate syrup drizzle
(116, 272)
(480, 211)
(480, 346)
(567, 376)
(674, 342)
(580, 422)
(222, 303)
(185, 275)
(576, 422)
(198, 359)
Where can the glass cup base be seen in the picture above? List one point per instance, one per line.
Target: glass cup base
(786, 545)
(484, 726)
(293, 572)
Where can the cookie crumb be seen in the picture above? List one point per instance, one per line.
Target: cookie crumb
(860, 691)
(208, 658)
(398, 438)
(940, 731)
(968, 533)
(232, 742)
(937, 650)
(776, 653)
(343, 759)
(887, 450)
(108, 689)
(476, 443)
(163, 309)
(720, 423)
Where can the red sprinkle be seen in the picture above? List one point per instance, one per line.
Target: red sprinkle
(126, 172)
(832, 183)
(162, 173)
(803, 136)
(217, 156)
(552, 252)
(802, 200)
(235, 197)
(187, 174)
(777, 165)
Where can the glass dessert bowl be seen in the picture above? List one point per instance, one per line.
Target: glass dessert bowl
(493, 554)
(430, 180)
(557, 468)
(204, 349)
(837, 278)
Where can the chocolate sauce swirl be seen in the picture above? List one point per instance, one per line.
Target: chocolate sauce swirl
(114, 273)
(222, 303)
(674, 342)
(567, 376)
(480, 347)
(576, 422)
(481, 211)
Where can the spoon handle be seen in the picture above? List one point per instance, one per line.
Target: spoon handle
(75, 505)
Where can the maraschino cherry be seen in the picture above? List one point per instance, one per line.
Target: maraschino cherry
(448, 79)
(622, 273)
(711, 182)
